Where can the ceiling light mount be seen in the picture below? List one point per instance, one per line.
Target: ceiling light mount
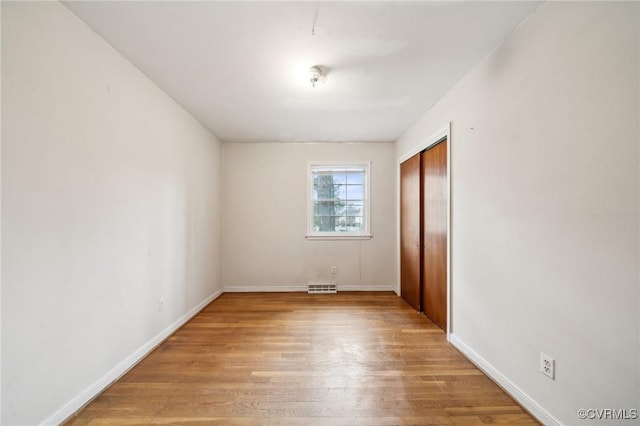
(315, 73)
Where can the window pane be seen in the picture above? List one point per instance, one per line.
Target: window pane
(339, 178)
(324, 223)
(323, 187)
(337, 223)
(329, 208)
(354, 223)
(354, 208)
(355, 192)
(341, 225)
(355, 178)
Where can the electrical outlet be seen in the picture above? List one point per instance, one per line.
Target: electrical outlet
(548, 366)
(161, 304)
(334, 270)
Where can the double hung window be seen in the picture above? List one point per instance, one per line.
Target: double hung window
(339, 202)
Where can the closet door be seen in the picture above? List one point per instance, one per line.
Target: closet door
(410, 231)
(434, 231)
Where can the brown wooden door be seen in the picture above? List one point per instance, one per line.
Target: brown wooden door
(410, 231)
(434, 261)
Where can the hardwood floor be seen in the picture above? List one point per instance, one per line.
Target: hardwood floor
(299, 359)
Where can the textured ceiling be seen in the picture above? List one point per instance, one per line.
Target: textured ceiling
(241, 67)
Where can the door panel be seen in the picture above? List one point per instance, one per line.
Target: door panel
(434, 277)
(410, 234)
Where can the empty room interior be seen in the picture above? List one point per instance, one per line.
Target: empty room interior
(323, 212)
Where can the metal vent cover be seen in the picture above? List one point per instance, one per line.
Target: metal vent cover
(322, 288)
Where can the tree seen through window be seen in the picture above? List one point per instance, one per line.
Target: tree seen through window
(338, 201)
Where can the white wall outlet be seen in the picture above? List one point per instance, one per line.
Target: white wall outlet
(334, 269)
(548, 366)
(161, 304)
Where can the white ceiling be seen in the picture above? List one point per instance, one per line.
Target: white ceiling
(241, 67)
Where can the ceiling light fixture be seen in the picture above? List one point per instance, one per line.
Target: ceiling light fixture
(317, 74)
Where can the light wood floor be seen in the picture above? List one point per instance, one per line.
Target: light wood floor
(299, 359)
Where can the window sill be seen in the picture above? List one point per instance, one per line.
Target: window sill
(339, 237)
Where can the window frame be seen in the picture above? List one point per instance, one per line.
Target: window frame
(365, 233)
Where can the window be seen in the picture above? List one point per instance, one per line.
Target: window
(338, 200)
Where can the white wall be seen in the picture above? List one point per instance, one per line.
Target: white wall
(110, 200)
(0, 219)
(265, 220)
(545, 135)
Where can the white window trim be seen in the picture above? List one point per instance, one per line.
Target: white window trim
(366, 233)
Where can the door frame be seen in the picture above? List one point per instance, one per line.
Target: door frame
(443, 133)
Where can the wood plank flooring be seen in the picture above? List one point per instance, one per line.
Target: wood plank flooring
(299, 359)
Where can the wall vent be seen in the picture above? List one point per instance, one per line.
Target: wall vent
(324, 288)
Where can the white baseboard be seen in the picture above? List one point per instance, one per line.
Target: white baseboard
(356, 287)
(303, 288)
(264, 288)
(516, 393)
(125, 365)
